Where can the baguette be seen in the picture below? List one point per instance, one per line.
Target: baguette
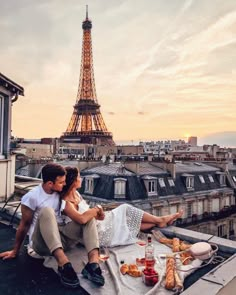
(166, 241)
(170, 278)
(183, 246)
(176, 245)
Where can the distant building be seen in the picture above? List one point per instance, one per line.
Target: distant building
(9, 92)
(206, 193)
(192, 140)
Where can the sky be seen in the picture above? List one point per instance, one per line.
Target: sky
(164, 69)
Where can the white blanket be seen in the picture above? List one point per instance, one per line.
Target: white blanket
(115, 282)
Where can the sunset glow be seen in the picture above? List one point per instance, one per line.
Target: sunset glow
(160, 67)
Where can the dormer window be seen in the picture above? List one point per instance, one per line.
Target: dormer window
(89, 183)
(189, 181)
(221, 177)
(150, 183)
(171, 182)
(201, 178)
(161, 182)
(120, 188)
(151, 186)
(211, 178)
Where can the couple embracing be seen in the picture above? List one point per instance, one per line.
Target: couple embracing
(56, 218)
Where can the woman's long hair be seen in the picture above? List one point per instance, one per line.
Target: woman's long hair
(71, 175)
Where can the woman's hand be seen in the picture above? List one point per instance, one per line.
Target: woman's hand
(100, 214)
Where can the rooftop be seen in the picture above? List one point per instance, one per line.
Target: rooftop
(36, 279)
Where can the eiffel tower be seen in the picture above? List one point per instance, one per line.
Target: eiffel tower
(86, 124)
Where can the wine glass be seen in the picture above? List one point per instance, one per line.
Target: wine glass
(104, 254)
(141, 239)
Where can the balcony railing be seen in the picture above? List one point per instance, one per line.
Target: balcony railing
(206, 216)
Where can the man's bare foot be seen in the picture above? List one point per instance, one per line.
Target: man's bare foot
(169, 219)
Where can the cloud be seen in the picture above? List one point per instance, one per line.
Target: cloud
(226, 138)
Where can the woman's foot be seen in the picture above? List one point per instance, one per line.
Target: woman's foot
(169, 219)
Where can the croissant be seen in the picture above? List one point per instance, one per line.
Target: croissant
(134, 271)
(124, 269)
(176, 245)
(185, 258)
(170, 278)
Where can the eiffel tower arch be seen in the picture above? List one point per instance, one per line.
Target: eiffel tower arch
(86, 124)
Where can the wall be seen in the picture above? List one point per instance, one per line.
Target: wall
(37, 150)
(7, 179)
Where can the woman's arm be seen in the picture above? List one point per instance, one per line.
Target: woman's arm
(73, 213)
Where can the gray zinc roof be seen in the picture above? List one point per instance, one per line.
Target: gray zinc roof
(194, 167)
(109, 169)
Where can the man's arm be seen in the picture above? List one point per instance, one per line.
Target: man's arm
(26, 220)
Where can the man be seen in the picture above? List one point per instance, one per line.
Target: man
(41, 219)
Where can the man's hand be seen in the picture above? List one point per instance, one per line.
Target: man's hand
(8, 255)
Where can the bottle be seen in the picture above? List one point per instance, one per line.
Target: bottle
(149, 254)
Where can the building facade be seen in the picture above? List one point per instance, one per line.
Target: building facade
(9, 92)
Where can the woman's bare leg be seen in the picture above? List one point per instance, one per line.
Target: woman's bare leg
(159, 221)
(146, 226)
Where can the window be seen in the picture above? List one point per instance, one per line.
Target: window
(161, 182)
(231, 225)
(171, 182)
(201, 178)
(215, 205)
(221, 230)
(120, 187)
(1, 124)
(226, 201)
(210, 178)
(189, 182)
(200, 207)
(88, 185)
(151, 186)
(150, 183)
(222, 179)
(189, 209)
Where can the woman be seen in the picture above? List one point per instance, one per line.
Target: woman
(119, 226)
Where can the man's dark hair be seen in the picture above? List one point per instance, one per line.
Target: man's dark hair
(51, 171)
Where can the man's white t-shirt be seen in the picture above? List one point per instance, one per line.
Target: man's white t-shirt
(36, 199)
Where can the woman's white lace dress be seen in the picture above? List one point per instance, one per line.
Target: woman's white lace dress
(120, 226)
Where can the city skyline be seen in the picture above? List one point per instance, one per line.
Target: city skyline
(165, 69)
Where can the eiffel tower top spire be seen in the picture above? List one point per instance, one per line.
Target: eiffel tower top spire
(87, 124)
(86, 11)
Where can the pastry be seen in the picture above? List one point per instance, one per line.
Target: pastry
(176, 245)
(170, 278)
(178, 282)
(185, 258)
(124, 269)
(166, 241)
(183, 246)
(134, 271)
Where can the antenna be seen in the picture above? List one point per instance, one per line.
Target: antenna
(86, 11)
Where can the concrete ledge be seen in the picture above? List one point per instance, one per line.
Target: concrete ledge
(215, 280)
(224, 245)
(186, 234)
